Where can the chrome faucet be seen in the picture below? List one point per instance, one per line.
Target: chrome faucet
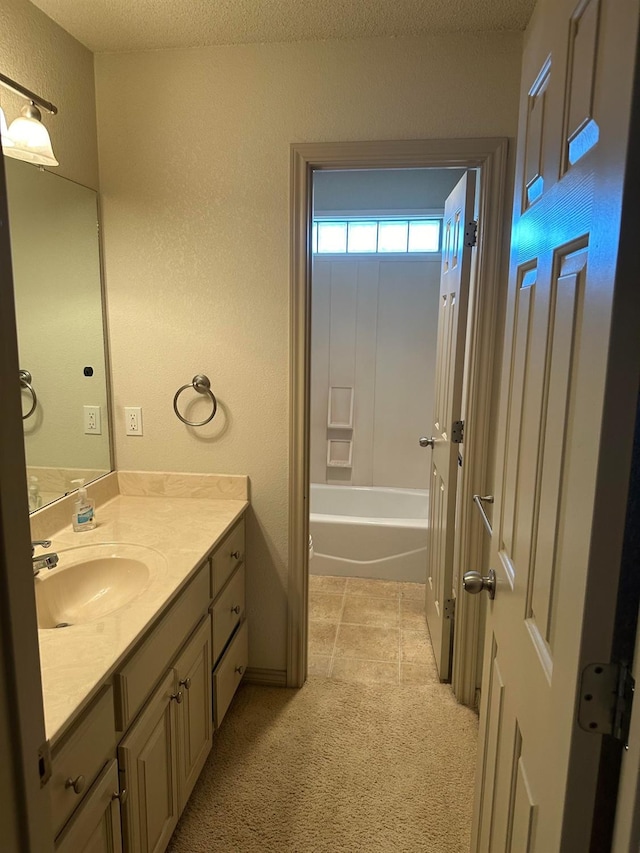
(44, 561)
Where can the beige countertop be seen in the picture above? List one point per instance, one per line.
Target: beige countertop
(77, 660)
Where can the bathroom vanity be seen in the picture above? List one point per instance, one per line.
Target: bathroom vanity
(132, 698)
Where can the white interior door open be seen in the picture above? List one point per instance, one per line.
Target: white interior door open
(560, 479)
(452, 321)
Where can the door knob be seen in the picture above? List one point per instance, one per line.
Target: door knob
(474, 583)
(427, 442)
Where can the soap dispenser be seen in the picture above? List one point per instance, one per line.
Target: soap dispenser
(84, 517)
(35, 498)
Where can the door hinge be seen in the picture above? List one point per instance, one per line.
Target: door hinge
(471, 233)
(449, 609)
(606, 697)
(457, 432)
(44, 763)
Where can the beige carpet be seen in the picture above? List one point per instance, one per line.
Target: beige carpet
(336, 768)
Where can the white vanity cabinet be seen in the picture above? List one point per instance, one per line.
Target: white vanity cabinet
(123, 773)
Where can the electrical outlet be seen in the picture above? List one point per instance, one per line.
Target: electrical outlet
(92, 420)
(133, 420)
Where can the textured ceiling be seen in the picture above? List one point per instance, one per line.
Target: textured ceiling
(124, 25)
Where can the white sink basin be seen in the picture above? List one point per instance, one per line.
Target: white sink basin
(92, 581)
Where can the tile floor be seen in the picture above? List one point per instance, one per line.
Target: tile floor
(369, 631)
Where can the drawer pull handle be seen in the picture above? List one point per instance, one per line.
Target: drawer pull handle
(121, 795)
(235, 555)
(186, 683)
(239, 669)
(177, 696)
(78, 784)
(236, 609)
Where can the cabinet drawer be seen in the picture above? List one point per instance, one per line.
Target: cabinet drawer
(96, 827)
(227, 557)
(138, 676)
(227, 612)
(228, 674)
(80, 758)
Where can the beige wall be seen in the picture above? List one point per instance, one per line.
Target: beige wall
(42, 56)
(194, 173)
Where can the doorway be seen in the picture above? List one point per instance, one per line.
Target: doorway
(489, 157)
(377, 242)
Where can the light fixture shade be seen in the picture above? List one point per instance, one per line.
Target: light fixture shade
(30, 139)
(7, 142)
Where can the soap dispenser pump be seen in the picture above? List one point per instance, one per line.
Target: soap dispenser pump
(84, 517)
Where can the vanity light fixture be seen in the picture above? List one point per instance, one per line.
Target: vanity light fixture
(7, 142)
(31, 141)
(27, 138)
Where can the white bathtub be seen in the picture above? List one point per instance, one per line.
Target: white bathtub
(365, 532)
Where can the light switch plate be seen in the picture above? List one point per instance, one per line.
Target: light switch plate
(92, 420)
(133, 420)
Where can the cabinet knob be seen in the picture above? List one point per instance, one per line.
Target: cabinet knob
(239, 669)
(235, 555)
(78, 784)
(177, 696)
(186, 683)
(236, 609)
(120, 795)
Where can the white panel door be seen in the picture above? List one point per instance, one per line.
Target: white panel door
(554, 605)
(452, 321)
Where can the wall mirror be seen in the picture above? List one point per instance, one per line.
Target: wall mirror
(55, 252)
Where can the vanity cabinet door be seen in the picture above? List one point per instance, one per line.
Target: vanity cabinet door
(195, 725)
(148, 771)
(96, 826)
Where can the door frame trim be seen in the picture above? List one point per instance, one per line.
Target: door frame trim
(490, 156)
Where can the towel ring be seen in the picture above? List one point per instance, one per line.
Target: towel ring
(202, 385)
(25, 382)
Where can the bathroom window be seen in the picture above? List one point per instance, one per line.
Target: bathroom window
(376, 236)
(362, 237)
(332, 238)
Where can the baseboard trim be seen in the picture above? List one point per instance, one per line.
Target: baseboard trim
(266, 677)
